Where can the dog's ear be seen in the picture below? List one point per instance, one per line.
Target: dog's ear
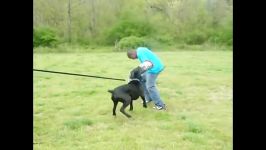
(111, 91)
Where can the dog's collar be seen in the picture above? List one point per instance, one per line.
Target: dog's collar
(133, 80)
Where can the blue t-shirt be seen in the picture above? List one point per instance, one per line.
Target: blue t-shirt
(144, 54)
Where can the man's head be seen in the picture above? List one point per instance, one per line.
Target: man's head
(132, 54)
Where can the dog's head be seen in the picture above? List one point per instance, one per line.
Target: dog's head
(135, 77)
(135, 74)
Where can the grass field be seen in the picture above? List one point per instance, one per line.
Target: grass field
(75, 113)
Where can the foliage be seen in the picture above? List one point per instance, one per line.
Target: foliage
(44, 36)
(131, 42)
(106, 22)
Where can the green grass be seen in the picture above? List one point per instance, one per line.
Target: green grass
(75, 113)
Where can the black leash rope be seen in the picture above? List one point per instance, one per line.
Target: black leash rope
(74, 74)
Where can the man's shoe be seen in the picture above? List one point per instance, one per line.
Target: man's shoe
(159, 107)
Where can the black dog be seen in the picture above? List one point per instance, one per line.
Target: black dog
(126, 94)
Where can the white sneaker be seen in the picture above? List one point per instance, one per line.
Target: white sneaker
(159, 107)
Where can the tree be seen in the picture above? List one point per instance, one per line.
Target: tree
(69, 21)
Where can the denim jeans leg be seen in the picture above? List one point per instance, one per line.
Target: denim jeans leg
(152, 89)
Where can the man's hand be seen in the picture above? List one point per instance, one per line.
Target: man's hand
(146, 65)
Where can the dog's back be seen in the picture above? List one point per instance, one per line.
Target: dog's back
(133, 89)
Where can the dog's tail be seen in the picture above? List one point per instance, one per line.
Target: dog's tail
(111, 91)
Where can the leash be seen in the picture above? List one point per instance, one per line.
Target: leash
(75, 74)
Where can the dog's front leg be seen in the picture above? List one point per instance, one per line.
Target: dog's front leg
(144, 101)
(114, 108)
(131, 105)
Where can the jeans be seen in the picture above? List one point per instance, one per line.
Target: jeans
(150, 91)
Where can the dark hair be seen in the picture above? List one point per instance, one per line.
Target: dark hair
(130, 53)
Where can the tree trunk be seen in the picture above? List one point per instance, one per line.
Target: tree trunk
(69, 21)
(93, 19)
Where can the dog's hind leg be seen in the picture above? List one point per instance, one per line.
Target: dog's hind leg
(114, 108)
(127, 100)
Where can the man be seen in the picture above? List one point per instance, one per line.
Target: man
(149, 69)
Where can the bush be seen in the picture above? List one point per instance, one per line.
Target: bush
(222, 36)
(195, 37)
(131, 42)
(128, 28)
(165, 39)
(44, 36)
